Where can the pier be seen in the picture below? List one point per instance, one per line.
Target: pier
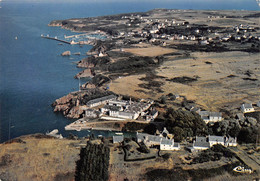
(55, 38)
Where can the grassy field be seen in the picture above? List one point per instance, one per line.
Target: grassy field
(39, 159)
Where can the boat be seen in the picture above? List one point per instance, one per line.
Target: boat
(16, 38)
(241, 169)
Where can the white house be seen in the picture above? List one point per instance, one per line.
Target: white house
(229, 141)
(118, 139)
(201, 143)
(213, 140)
(167, 144)
(247, 107)
(210, 116)
(215, 116)
(149, 140)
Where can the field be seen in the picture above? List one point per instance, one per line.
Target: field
(222, 79)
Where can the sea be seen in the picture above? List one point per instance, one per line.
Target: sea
(33, 74)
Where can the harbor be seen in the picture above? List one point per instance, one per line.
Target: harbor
(80, 39)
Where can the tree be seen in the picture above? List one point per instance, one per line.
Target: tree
(184, 124)
(150, 129)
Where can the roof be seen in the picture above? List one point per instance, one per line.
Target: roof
(117, 139)
(112, 108)
(201, 144)
(154, 138)
(204, 113)
(248, 106)
(121, 102)
(141, 136)
(93, 101)
(201, 139)
(216, 138)
(215, 114)
(167, 142)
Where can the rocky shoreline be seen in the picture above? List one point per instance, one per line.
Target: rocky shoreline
(176, 30)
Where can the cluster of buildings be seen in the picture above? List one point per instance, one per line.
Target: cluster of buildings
(212, 117)
(115, 108)
(169, 29)
(165, 141)
(203, 143)
(207, 116)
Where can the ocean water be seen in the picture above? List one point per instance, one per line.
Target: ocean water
(32, 72)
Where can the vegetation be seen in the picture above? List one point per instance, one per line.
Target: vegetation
(182, 175)
(215, 153)
(93, 163)
(184, 124)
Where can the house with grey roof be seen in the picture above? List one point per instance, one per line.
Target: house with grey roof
(149, 140)
(169, 144)
(118, 138)
(215, 116)
(247, 107)
(230, 141)
(213, 140)
(201, 143)
(210, 116)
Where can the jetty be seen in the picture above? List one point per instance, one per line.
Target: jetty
(55, 38)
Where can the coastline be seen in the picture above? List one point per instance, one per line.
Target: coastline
(109, 60)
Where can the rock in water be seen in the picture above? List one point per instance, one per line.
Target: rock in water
(66, 53)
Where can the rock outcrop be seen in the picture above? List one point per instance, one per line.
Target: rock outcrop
(71, 104)
(84, 73)
(66, 53)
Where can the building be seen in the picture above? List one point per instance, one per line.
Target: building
(117, 103)
(167, 144)
(91, 113)
(210, 116)
(118, 138)
(215, 116)
(153, 114)
(229, 141)
(201, 143)
(107, 108)
(101, 100)
(213, 140)
(149, 140)
(247, 107)
(123, 114)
